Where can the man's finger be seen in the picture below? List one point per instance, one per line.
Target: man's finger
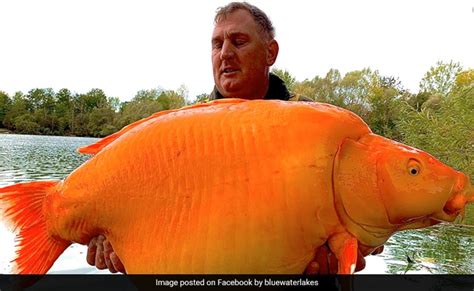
(117, 263)
(322, 259)
(109, 265)
(312, 268)
(91, 251)
(333, 263)
(378, 250)
(107, 252)
(99, 257)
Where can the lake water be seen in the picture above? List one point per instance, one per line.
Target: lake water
(442, 249)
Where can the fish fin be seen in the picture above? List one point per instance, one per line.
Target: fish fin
(98, 146)
(36, 249)
(344, 246)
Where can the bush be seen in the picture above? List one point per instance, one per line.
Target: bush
(26, 126)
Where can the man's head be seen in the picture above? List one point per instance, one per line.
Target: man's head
(243, 50)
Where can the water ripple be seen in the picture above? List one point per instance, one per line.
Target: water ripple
(26, 157)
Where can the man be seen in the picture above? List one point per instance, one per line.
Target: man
(243, 50)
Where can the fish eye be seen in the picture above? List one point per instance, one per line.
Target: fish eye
(414, 171)
(414, 167)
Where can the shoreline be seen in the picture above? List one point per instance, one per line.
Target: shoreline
(5, 131)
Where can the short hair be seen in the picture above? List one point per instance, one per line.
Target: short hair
(257, 14)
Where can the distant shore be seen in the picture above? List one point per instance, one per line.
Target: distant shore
(4, 130)
(7, 131)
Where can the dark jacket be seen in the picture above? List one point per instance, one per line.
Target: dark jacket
(276, 90)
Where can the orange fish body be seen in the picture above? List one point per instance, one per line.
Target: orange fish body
(232, 186)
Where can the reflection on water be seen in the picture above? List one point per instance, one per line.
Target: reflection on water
(27, 157)
(442, 249)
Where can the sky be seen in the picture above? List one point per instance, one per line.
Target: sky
(123, 46)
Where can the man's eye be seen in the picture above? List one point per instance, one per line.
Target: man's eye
(239, 42)
(217, 45)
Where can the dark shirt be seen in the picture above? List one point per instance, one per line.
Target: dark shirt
(276, 90)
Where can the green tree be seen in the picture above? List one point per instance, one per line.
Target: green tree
(135, 110)
(41, 98)
(202, 98)
(81, 121)
(353, 90)
(417, 100)
(64, 111)
(384, 98)
(100, 121)
(41, 103)
(464, 79)
(306, 88)
(26, 124)
(151, 94)
(322, 89)
(114, 103)
(170, 99)
(440, 79)
(83, 105)
(183, 91)
(5, 104)
(326, 88)
(18, 107)
(93, 99)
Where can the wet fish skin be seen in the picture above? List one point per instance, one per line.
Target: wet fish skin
(231, 186)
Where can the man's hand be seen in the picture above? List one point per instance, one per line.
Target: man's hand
(325, 262)
(101, 254)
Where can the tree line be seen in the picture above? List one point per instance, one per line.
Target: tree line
(438, 119)
(43, 111)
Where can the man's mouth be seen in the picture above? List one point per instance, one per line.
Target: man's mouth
(229, 70)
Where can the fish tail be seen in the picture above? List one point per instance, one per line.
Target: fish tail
(23, 203)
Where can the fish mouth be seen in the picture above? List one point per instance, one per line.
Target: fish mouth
(456, 204)
(446, 215)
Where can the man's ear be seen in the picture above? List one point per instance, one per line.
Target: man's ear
(273, 48)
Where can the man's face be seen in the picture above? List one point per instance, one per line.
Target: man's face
(241, 57)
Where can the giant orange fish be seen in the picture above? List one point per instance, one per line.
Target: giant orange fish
(236, 186)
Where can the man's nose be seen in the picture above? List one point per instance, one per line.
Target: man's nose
(227, 50)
